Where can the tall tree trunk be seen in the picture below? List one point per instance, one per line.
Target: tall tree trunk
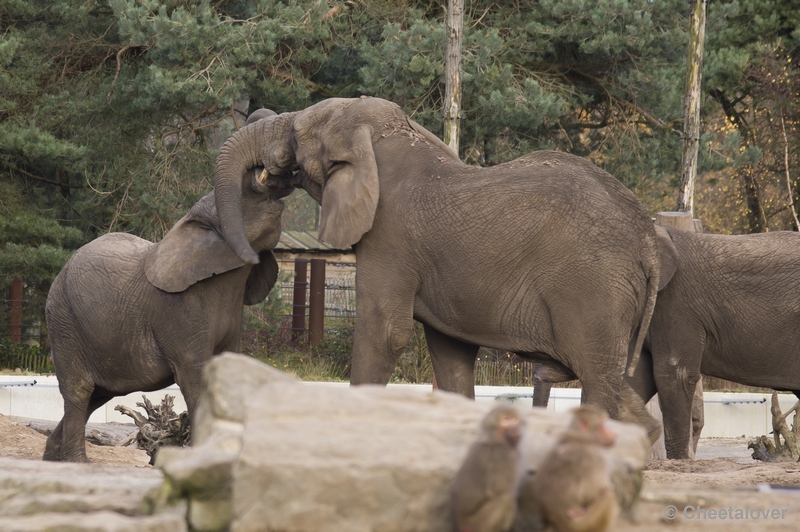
(452, 72)
(691, 106)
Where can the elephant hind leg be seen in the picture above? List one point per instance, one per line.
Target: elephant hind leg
(77, 409)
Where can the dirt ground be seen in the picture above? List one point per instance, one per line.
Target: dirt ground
(677, 494)
(19, 441)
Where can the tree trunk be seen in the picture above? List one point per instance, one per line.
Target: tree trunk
(755, 214)
(691, 106)
(452, 72)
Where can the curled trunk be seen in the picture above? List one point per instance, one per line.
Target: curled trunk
(263, 143)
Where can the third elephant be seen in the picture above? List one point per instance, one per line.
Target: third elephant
(732, 311)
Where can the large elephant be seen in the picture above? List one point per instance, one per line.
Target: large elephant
(547, 256)
(128, 315)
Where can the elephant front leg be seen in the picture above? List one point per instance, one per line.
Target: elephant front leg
(453, 362)
(379, 338)
(189, 379)
(676, 390)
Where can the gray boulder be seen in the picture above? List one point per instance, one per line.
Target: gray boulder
(272, 453)
(44, 496)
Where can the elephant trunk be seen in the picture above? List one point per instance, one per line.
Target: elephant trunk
(237, 155)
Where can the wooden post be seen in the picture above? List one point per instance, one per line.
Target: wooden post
(299, 299)
(15, 311)
(691, 106)
(316, 303)
(676, 220)
(452, 73)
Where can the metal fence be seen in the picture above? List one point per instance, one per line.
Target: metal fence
(340, 289)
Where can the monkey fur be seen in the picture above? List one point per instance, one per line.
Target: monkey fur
(572, 488)
(484, 492)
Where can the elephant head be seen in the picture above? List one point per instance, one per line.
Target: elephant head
(193, 249)
(331, 143)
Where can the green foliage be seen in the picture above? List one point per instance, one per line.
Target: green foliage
(265, 317)
(32, 245)
(112, 111)
(26, 356)
(328, 361)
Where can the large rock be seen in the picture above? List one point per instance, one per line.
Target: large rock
(44, 496)
(276, 454)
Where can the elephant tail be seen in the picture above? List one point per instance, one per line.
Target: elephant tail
(652, 273)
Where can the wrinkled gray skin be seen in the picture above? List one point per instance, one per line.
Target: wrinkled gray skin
(547, 256)
(127, 315)
(730, 311)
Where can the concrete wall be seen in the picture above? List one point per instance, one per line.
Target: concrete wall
(727, 415)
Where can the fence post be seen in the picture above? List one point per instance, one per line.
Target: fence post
(15, 311)
(316, 313)
(299, 298)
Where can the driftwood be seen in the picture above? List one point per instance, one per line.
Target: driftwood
(765, 449)
(162, 426)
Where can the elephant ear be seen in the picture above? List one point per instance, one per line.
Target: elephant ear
(668, 255)
(190, 252)
(350, 193)
(262, 278)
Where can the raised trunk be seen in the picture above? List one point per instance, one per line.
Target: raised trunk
(237, 155)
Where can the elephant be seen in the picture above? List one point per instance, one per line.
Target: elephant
(729, 311)
(547, 256)
(128, 315)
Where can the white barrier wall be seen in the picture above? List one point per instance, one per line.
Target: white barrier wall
(727, 415)
(43, 401)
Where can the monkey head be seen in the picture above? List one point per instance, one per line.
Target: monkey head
(503, 424)
(590, 422)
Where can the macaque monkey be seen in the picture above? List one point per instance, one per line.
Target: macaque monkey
(572, 487)
(484, 493)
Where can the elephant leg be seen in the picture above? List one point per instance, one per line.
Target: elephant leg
(384, 324)
(541, 392)
(602, 388)
(676, 391)
(76, 413)
(698, 416)
(545, 374)
(633, 410)
(643, 381)
(453, 362)
(190, 380)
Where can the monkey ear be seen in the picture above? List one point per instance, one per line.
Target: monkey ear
(668, 255)
(262, 278)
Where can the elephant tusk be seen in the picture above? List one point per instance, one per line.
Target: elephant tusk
(263, 177)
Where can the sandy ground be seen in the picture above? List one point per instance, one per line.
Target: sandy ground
(19, 441)
(677, 494)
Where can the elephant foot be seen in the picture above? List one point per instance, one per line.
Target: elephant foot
(79, 457)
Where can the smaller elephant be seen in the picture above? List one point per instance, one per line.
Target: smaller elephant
(127, 315)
